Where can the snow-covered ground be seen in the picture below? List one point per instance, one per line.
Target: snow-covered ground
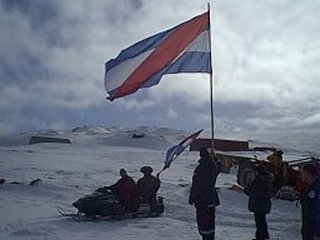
(70, 171)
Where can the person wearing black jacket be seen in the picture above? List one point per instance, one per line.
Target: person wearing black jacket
(260, 193)
(311, 203)
(204, 195)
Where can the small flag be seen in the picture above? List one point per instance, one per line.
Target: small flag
(176, 150)
(183, 49)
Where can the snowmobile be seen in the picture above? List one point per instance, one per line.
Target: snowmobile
(105, 206)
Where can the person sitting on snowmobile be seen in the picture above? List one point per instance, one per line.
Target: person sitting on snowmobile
(148, 186)
(125, 189)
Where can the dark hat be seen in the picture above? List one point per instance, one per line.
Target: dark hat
(261, 169)
(204, 152)
(146, 169)
(279, 153)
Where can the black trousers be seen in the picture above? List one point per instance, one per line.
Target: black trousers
(261, 225)
(206, 221)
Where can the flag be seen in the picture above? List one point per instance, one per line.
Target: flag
(184, 48)
(175, 151)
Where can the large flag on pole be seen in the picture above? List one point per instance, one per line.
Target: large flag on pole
(175, 151)
(183, 49)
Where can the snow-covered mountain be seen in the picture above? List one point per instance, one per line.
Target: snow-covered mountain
(93, 159)
(151, 137)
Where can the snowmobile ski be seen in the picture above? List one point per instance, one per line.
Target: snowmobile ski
(65, 213)
(80, 217)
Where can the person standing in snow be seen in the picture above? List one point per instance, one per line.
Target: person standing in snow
(204, 195)
(260, 193)
(2, 181)
(276, 164)
(311, 203)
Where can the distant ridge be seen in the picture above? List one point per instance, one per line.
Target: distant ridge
(141, 136)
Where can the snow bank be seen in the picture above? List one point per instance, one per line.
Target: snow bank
(92, 160)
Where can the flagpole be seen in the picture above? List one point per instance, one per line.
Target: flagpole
(211, 87)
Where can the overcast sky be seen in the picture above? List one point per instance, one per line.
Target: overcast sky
(266, 65)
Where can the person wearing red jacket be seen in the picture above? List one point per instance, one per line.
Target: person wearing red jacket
(126, 191)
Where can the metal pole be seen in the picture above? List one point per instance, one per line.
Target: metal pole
(211, 87)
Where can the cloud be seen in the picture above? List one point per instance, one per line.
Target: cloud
(193, 89)
(11, 96)
(172, 113)
(313, 120)
(136, 104)
(266, 56)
